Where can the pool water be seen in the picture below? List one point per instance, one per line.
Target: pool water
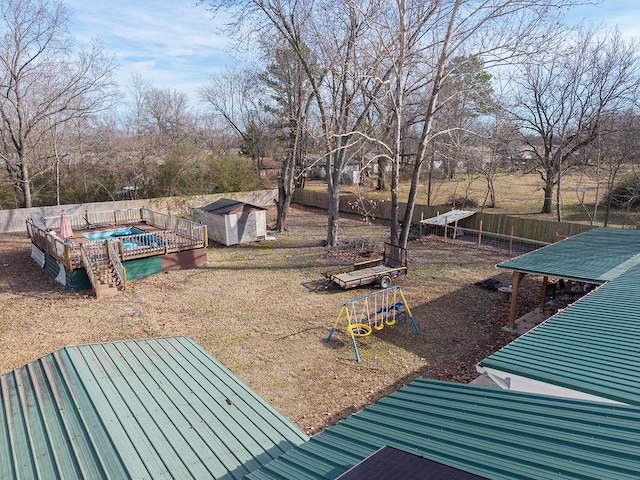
(104, 234)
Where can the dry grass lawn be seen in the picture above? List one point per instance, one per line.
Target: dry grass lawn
(256, 309)
(516, 194)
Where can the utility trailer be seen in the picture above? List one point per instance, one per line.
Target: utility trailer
(379, 270)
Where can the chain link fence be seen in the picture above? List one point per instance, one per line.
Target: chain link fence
(512, 244)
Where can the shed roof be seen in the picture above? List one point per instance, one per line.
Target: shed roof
(493, 433)
(591, 346)
(157, 408)
(595, 256)
(224, 206)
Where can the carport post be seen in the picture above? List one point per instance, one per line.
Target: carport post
(517, 276)
(543, 297)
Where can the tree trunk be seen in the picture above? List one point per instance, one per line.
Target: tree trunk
(26, 184)
(334, 173)
(548, 196)
(333, 213)
(411, 201)
(558, 196)
(283, 204)
(382, 170)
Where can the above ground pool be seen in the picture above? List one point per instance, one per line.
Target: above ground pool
(104, 234)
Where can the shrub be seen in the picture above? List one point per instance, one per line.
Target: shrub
(460, 201)
(625, 194)
(234, 174)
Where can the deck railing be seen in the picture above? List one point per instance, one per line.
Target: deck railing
(174, 234)
(86, 255)
(120, 271)
(139, 244)
(115, 217)
(176, 225)
(181, 227)
(88, 220)
(67, 253)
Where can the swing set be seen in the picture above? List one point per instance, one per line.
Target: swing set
(373, 311)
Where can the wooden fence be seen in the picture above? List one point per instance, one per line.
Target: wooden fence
(545, 231)
(14, 220)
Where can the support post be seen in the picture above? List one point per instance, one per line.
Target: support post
(511, 242)
(406, 307)
(543, 296)
(444, 237)
(517, 276)
(480, 234)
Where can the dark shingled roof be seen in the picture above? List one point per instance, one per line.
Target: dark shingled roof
(225, 206)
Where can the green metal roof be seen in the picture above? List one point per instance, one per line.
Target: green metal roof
(147, 409)
(493, 433)
(592, 346)
(595, 256)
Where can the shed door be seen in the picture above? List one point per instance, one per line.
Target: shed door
(246, 226)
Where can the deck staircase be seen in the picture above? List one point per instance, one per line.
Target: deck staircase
(108, 282)
(104, 269)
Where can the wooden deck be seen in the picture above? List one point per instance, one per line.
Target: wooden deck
(161, 235)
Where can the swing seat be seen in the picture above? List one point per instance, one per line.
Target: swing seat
(359, 329)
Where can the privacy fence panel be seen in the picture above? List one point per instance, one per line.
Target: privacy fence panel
(530, 228)
(15, 220)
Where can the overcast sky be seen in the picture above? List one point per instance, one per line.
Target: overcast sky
(172, 43)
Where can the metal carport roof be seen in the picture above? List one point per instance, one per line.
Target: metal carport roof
(448, 217)
(594, 256)
(156, 408)
(592, 346)
(493, 433)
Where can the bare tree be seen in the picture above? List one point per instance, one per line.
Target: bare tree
(563, 96)
(285, 80)
(234, 95)
(498, 139)
(330, 41)
(44, 83)
(494, 33)
(392, 53)
(167, 115)
(614, 153)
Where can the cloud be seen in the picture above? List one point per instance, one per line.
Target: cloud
(171, 44)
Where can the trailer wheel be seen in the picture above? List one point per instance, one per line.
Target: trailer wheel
(385, 281)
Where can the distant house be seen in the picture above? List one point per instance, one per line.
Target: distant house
(231, 222)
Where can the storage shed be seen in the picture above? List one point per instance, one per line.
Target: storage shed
(231, 222)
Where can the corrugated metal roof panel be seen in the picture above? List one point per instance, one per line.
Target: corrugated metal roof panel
(595, 256)
(493, 433)
(449, 217)
(157, 408)
(591, 346)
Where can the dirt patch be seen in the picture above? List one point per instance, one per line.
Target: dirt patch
(264, 310)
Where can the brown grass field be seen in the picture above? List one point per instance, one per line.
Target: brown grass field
(516, 194)
(257, 308)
